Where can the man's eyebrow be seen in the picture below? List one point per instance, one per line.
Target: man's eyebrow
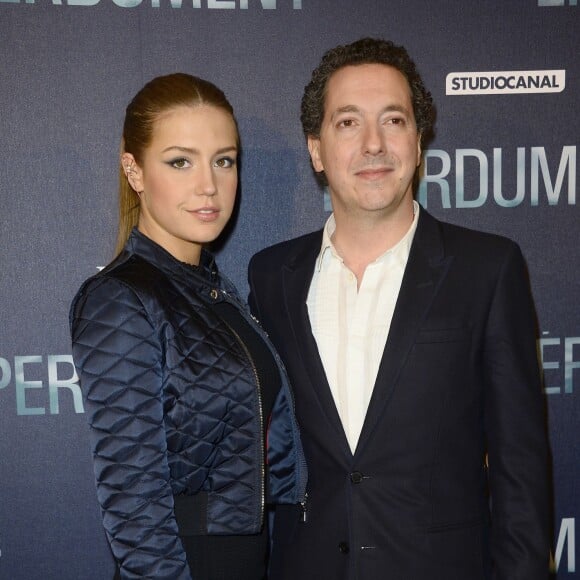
(356, 109)
(345, 109)
(396, 108)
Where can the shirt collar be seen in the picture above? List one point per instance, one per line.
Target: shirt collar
(403, 246)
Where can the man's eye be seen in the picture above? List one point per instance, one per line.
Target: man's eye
(346, 123)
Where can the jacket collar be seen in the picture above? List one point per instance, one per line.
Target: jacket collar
(426, 268)
(140, 245)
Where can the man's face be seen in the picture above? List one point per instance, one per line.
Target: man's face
(368, 147)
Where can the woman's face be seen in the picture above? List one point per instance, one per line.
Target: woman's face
(187, 180)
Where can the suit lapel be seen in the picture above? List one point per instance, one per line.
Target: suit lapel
(425, 270)
(297, 275)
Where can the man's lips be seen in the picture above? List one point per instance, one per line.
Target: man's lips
(373, 172)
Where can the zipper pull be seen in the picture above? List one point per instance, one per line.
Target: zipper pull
(304, 515)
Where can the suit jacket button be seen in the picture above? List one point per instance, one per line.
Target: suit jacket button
(356, 477)
(343, 548)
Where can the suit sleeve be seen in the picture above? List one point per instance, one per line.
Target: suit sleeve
(253, 298)
(119, 361)
(516, 431)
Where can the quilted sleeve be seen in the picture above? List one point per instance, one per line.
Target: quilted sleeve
(119, 361)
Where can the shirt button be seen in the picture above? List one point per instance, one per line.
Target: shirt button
(343, 548)
(356, 477)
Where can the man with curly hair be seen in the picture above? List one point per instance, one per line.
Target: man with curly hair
(410, 344)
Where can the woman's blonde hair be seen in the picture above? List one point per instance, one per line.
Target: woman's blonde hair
(157, 97)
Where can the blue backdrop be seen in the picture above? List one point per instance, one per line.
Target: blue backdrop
(504, 76)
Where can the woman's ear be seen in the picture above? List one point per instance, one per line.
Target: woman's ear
(132, 171)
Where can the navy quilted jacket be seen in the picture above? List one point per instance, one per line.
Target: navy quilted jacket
(173, 403)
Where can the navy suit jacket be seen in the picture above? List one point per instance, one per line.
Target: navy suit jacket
(458, 382)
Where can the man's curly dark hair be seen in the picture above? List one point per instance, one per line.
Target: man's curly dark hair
(364, 51)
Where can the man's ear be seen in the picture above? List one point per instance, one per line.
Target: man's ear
(419, 149)
(314, 149)
(132, 171)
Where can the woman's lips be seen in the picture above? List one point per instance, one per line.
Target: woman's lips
(206, 214)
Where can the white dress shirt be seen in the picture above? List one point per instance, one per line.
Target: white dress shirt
(351, 325)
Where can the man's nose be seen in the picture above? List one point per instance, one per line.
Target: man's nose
(373, 140)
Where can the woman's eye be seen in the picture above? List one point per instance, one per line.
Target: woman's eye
(225, 162)
(180, 163)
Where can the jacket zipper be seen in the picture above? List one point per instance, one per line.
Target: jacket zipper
(301, 483)
(260, 415)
